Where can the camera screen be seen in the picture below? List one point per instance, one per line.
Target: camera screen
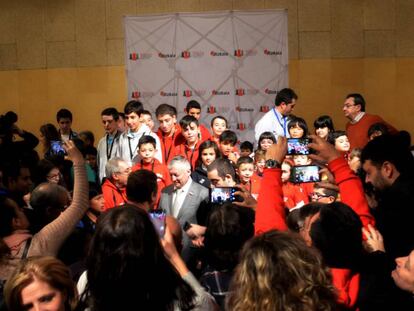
(158, 219)
(56, 147)
(297, 146)
(307, 173)
(221, 195)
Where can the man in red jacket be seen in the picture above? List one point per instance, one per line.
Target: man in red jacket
(114, 186)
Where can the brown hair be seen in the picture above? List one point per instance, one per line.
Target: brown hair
(46, 269)
(279, 272)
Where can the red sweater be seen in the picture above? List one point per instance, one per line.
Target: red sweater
(358, 133)
(168, 144)
(270, 215)
(159, 169)
(113, 195)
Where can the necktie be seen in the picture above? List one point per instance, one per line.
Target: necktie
(176, 203)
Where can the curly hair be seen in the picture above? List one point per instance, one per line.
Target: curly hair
(278, 271)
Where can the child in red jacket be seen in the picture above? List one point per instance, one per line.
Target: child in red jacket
(147, 150)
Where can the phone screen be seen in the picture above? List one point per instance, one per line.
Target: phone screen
(57, 148)
(158, 219)
(305, 173)
(298, 146)
(222, 194)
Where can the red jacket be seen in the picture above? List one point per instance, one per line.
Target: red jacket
(113, 195)
(270, 214)
(205, 133)
(159, 169)
(190, 154)
(168, 144)
(294, 194)
(253, 186)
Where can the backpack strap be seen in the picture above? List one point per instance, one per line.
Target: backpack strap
(26, 248)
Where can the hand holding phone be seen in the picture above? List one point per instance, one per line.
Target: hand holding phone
(158, 217)
(56, 147)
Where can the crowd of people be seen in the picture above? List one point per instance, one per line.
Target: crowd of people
(186, 217)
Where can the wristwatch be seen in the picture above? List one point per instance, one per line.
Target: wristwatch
(272, 164)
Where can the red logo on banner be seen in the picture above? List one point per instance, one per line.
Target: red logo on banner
(238, 53)
(187, 93)
(136, 56)
(211, 109)
(241, 126)
(136, 94)
(264, 108)
(240, 92)
(185, 54)
(268, 52)
(268, 91)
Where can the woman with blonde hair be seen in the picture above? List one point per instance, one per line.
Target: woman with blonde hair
(279, 272)
(41, 283)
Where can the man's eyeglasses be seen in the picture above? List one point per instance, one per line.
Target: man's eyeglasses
(317, 196)
(349, 105)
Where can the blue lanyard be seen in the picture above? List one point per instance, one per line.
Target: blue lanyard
(278, 120)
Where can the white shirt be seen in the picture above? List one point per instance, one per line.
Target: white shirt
(273, 121)
(179, 197)
(128, 144)
(358, 117)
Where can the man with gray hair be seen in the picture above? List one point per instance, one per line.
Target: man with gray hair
(183, 198)
(114, 186)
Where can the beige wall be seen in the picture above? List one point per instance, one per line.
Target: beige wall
(56, 53)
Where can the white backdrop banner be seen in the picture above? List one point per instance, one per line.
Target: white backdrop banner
(232, 63)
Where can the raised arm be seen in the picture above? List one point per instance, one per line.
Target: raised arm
(350, 186)
(51, 237)
(270, 213)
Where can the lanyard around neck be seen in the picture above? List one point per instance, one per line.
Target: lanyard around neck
(280, 122)
(108, 154)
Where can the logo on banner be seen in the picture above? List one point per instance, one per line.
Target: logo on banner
(136, 56)
(268, 91)
(219, 53)
(241, 53)
(264, 108)
(162, 55)
(241, 126)
(242, 92)
(193, 54)
(269, 52)
(218, 92)
(138, 94)
(168, 94)
(240, 109)
(211, 109)
(189, 93)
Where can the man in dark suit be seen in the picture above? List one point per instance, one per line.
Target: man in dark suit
(183, 198)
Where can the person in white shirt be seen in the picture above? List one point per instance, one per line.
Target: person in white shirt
(128, 142)
(276, 120)
(109, 144)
